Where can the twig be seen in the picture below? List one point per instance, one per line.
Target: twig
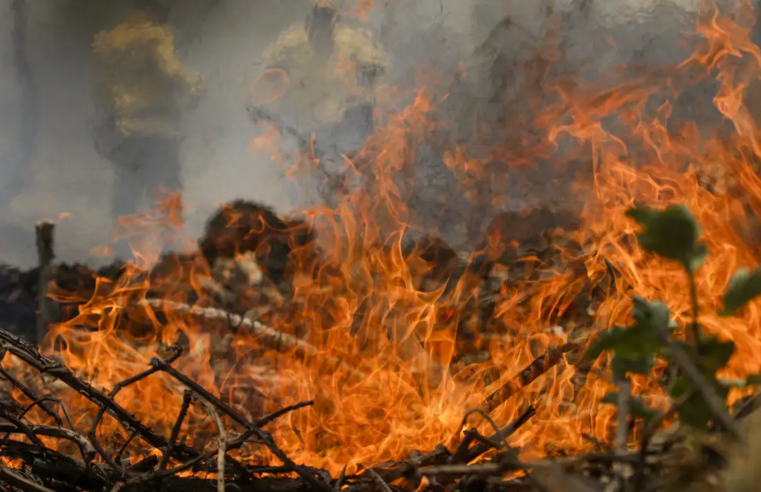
(472, 435)
(88, 452)
(649, 431)
(395, 470)
(459, 455)
(177, 352)
(46, 308)
(497, 441)
(186, 399)
(103, 454)
(13, 478)
(29, 394)
(748, 407)
(223, 407)
(226, 297)
(144, 465)
(538, 367)
(503, 434)
(460, 469)
(695, 305)
(622, 430)
(269, 337)
(138, 481)
(22, 428)
(276, 415)
(221, 446)
(261, 435)
(42, 400)
(712, 400)
(379, 480)
(340, 479)
(56, 466)
(232, 445)
(441, 456)
(119, 454)
(31, 356)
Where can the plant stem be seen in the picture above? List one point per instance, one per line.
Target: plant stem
(695, 306)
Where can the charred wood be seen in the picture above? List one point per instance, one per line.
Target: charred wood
(46, 314)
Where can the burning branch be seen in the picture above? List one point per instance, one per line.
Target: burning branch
(30, 394)
(187, 398)
(261, 435)
(29, 354)
(536, 368)
(90, 446)
(269, 337)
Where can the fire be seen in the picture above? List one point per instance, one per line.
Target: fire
(384, 363)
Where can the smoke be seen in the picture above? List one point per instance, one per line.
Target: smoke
(46, 91)
(29, 100)
(53, 145)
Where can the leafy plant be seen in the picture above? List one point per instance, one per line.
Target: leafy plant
(673, 233)
(743, 286)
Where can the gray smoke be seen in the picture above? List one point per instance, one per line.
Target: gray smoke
(46, 88)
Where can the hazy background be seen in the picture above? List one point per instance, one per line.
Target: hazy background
(47, 162)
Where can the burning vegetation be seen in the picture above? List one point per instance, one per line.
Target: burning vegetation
(605, 339)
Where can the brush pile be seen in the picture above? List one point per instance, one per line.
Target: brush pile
(253, 283)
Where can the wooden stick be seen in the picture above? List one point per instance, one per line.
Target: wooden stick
(12, 478)
(222, 442)
(268, 337)
(46, 307)
(538, 367)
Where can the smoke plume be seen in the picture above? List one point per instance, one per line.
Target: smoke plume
(49, 166)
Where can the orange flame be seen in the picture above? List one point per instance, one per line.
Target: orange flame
(386, 369)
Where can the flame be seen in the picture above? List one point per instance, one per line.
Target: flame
(386, 362)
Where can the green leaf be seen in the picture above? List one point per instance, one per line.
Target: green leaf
(607, 340)
(640, 341)
(637, 408)
(695, 411)
(713, 354)
(671, 233)
(753, 380)
(626, 342)
(636, 342)
(742, 287)
(652, 314)
(639, 365)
